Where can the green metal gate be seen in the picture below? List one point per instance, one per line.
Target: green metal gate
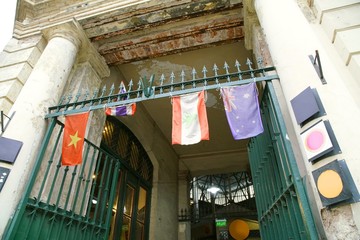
(282, 205)
(59, 201)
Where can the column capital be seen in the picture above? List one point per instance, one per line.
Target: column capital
(66, 30)
(73, 32)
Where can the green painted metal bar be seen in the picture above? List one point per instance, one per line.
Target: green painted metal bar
(89, 177)
(93, 187)
(100, 201)
(310, 225)
(73, 175)
(58, 201)
(105, 195)
(112, 197)
(87, 181)
(81, 176)
(11, 230)
(62, 109)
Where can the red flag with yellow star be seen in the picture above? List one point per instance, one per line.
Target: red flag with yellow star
(73, 142)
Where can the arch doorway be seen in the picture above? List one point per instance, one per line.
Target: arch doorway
(131, 209)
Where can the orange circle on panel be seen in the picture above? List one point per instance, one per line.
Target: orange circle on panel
(329, 184)
(239, 229)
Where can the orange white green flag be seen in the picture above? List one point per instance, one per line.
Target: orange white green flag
(73, 141)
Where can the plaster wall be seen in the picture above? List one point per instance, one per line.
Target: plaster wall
(16, 63)
(292, 38)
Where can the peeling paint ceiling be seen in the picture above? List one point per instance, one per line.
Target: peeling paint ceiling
(172, 37)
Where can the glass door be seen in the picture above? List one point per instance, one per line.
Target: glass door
(131, 209)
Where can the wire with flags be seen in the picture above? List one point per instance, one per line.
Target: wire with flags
(189, 119)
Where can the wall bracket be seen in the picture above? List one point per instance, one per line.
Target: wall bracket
(317, 65)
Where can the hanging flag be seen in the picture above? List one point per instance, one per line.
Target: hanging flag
(189, 120)
(73, 141)
(242, 110)
(125, 110)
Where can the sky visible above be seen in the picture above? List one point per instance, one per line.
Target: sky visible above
(7, 17)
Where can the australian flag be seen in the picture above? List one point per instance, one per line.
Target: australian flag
(242, 110)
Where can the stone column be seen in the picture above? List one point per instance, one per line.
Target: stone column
(43, 89)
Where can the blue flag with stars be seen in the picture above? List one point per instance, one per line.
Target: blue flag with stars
(242, 110)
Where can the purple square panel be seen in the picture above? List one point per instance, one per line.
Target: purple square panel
(9, 149)
(304, 105)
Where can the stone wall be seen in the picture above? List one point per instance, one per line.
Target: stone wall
(16, 63)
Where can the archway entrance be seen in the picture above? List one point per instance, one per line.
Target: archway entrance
(131, 208)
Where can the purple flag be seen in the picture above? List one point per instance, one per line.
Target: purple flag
(242, 110)
(125, 110)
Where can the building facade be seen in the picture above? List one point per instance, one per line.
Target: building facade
(83, 50)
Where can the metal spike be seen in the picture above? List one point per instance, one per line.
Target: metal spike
(215, 68)
(260, 62)
(237, 65)
(77, 96)
(139, 84)
(130, 85)
(193, 73)
(95, 93)
(204, 70)
(162, 79)
(172, 77)
(112, 88)
(130, 88)
(182, 75)
(86, 95)
(139, 88)
(249, 63)
(69, 97)
(122, 87)
(226, 67)
(103, 91)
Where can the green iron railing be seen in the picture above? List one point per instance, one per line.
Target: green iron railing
(152, 89)
(282, 204)
(64, 202)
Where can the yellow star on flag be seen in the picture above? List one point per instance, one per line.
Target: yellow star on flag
(74, 139)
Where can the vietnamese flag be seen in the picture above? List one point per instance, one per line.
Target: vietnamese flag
(73, 141)
(189, 120)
